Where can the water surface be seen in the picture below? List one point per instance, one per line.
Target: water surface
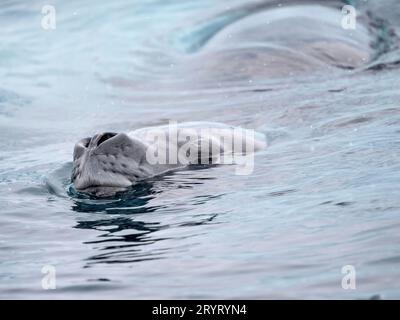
(323, 195)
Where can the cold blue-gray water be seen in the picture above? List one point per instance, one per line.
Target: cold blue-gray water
(323, 197)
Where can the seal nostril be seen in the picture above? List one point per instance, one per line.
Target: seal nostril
(104, 137)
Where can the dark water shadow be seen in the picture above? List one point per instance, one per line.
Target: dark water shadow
(131, 201)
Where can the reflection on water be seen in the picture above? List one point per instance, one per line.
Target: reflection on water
(124, 240)
(123, 237)
(127, 247)
(128, 202)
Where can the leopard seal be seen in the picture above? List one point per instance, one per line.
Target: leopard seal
(109, 161)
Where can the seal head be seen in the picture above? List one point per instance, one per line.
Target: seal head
(108, 161)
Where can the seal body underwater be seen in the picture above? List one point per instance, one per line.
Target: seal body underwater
(110, 162)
